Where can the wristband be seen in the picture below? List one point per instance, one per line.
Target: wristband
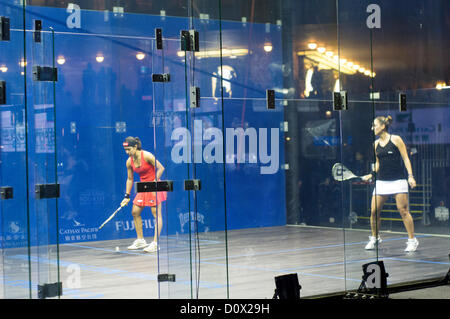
(410, 175)
(127, 195)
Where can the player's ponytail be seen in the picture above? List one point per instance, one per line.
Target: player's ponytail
(138, 143)
(388, 121)
(385, 120)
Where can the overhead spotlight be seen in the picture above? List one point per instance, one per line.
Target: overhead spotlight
(61, 60)
(312, 45)
(99, 58)
(361, 70)
(355, 66)
(140, 56)
(367, 72)
(329, 53)
(441, 85)
(3, 68)
(268, 47)
(22, 63)
(321, 49)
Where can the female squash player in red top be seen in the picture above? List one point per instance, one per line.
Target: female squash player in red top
(143, 163)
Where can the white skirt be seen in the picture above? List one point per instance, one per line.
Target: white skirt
(390, 187)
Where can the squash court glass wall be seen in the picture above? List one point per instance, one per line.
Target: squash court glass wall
(248, 178)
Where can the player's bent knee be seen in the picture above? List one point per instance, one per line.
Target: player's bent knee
(136, 212)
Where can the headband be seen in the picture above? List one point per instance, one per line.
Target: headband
(129, 144)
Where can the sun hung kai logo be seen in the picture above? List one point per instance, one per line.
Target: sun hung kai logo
(209, 146)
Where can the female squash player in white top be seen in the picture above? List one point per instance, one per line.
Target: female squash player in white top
(391, 161)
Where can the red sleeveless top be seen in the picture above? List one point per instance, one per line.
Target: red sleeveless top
(147, 174)
(146, 171)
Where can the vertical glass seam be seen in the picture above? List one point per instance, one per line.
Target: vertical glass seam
(56, 165)
(26, 145)
(223, 149)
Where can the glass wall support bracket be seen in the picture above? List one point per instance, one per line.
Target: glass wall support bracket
(4, 29)
(2, 92)
(47, 191)
(165, 77)
(166, 277)
(45, 73)
(37, 30)
(159, 186)
(270, 99)
(190, 40)
(195, 97)
(402, 102)
(192, 185)
(6, 192)
(284, 127)
(340, 101)
(158, 36)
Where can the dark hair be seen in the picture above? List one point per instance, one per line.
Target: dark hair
(133, 141)
(386, 120)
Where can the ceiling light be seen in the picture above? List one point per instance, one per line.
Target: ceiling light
(312, 45)
(99, 58)
(61, 60)
(268, 47)
(140, 56)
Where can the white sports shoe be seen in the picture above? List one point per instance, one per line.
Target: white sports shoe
(411, 244)
(152, 247)
(138, 244)
(372, 242)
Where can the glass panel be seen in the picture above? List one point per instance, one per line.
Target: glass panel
(396, 63)
(357, 77)
(172, 144)
(14, 231)
(43, 158)
(213, 77)
(312, 147)
(417, 67)
(251, 64)
(274, 209)
(109, 95)
(108, 92)
(197, 220)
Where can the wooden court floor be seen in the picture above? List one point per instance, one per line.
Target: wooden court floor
(242, 265)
